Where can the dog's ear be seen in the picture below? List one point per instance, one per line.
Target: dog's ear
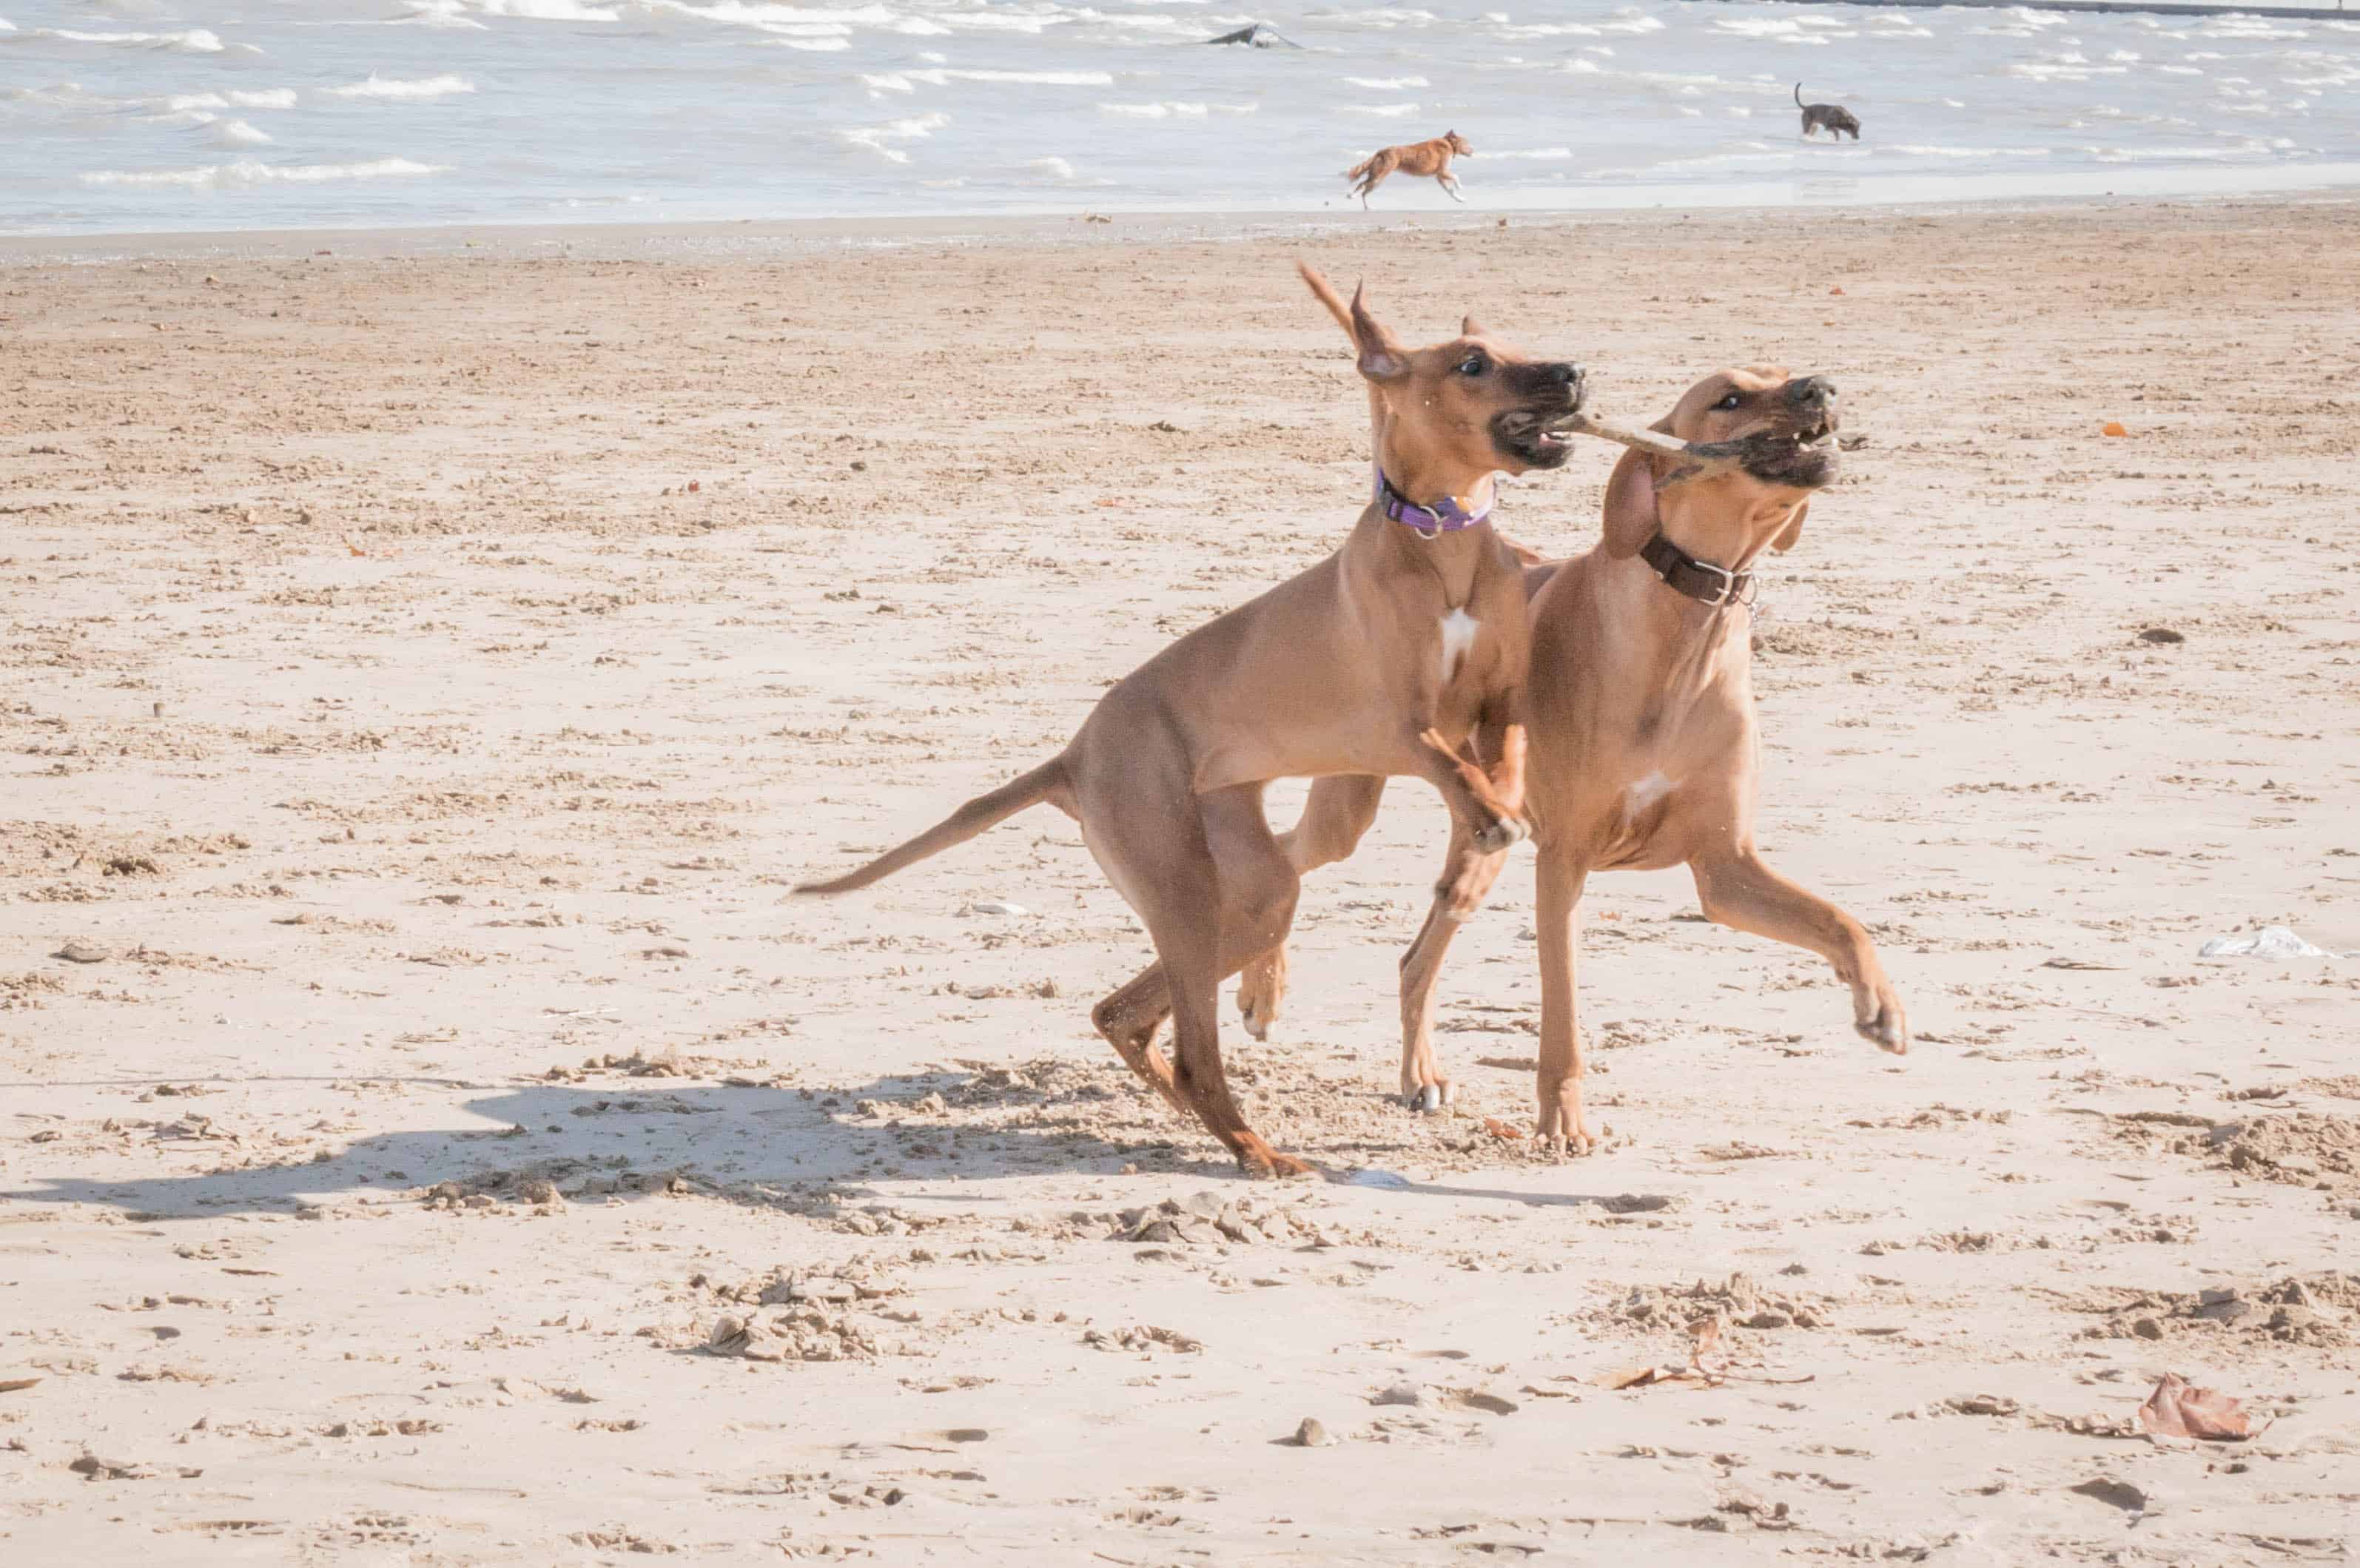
(1794, 529)
(1382, 358)
(1469, 327)
(1631, 517)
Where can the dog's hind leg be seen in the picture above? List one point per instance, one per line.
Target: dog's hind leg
(1253, 889)
(1335, 815)
(1129, 1018)
(1740, 891)
(1212, 892)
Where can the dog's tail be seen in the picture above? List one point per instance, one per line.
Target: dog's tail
(1360, 168)
(1799, 95)
(983, 811)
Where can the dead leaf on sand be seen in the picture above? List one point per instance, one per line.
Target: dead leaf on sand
(10, 1385)
(2178, 1409)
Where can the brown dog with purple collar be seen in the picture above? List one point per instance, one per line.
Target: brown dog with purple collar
(1386, 658)
(1645, 751)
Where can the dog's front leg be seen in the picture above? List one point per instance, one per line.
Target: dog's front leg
(1474, 865)
(1738, 890)
(1468, 873)
(1468, 790)
(1506, 744)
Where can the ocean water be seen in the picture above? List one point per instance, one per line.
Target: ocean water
(120, 115)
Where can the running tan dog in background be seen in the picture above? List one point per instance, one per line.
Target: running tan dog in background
(1643, 744)
(1420, 158)
(1384, 658)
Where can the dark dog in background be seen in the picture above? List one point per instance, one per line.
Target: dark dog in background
(1834, 117)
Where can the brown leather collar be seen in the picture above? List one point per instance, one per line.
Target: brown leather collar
(1698, 579)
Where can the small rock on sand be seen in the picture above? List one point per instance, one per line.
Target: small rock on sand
(79, 952)
(1311, 1434)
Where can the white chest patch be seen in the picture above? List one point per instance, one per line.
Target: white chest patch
(1646, 791)
(1458, 630)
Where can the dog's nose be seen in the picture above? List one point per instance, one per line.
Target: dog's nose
(1807, 390)
(1568, 376)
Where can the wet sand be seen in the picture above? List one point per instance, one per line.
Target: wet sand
(428, 668)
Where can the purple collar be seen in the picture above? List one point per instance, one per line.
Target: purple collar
(1444, 517)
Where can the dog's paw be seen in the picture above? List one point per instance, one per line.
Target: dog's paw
(1428, 1098)
(1499, 834)
(1259, 990)
(1263, 1163)
(1560, 1129)
(1887, 1028)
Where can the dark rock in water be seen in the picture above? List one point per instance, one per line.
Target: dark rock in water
(1260, 35)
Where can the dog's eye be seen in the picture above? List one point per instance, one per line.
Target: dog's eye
(1473, 365)
(1731, 401)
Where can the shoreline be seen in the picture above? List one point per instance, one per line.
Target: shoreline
(716, 237)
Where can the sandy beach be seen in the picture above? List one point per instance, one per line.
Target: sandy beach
(431, 660)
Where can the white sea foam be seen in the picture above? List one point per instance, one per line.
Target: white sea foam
(197, 41)
(547, 10)
(249, 172)
(1387, 83)
(437, 14)
(1909, 150)
(1169, 110)
(271, 98)
(424, 87)
(908, 81)
(1384, 110)
(884, 139)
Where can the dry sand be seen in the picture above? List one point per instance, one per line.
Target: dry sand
(427, 668)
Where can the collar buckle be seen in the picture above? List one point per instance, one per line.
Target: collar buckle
(1708, 582)
(1444, 517)
(1729, 580)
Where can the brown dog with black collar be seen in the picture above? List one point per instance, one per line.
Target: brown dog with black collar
(1427, 159)
(1384, 658)
(1644, 744)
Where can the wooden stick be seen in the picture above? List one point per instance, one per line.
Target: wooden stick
(1695, 459)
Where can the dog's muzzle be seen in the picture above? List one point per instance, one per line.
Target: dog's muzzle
(1802, 453)
(1540, 433)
